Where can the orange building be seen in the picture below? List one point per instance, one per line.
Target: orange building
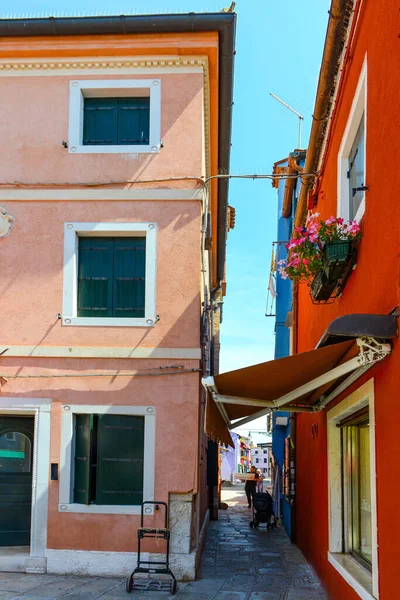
(113, 228)
(341, 381)
(346, 467)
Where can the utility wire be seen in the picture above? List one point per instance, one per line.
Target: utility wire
(132, 374)
(202, 180)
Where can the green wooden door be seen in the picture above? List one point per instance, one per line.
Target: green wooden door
(16, 451)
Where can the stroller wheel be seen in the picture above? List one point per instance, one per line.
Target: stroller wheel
(129, 584)
(251, 524)
(173, 586)
(256, 524)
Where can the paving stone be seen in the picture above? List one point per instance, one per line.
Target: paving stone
(305, 594)
(272, 570)
(231, 596)
(241, 583)
(265, 596)
(205, 585)
(54, 589)
(185, 595)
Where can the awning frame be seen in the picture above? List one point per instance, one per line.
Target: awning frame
(371, 351)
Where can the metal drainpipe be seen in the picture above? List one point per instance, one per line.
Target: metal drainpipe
(337, 26)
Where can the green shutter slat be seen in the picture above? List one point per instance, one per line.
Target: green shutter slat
(95, 277)
(82, 465)
(120, 454)
(100, 121)
(129, 277)
(133, 121)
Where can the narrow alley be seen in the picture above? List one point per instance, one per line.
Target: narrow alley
(238, 563)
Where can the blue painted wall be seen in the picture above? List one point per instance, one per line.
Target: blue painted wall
(284, 304)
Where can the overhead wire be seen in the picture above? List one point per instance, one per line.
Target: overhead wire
(128, 374)
(202, 180)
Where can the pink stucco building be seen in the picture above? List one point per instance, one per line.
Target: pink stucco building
(113, 258)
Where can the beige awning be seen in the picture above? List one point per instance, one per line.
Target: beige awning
(215, 425)
(303, 382)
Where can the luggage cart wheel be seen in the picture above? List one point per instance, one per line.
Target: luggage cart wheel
(173, 586)
(129, 584)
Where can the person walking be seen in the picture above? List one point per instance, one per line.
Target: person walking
(250, 486)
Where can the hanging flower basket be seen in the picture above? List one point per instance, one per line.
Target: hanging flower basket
(322, 255)
(322, 287)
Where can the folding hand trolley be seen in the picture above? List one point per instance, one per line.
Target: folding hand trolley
(152, 567)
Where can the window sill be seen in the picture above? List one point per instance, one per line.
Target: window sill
(132, 149)
(105, 509)
(353, 573)
(108, 322)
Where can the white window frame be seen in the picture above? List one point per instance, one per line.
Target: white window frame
(79, 89)
(357, 111)
(72, 231)
(359, 578)
(66, 503)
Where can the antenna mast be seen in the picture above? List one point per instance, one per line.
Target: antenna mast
(301, 118)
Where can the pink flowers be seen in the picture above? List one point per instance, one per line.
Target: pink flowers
(306, 250)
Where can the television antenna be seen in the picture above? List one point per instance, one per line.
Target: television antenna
(300, 117)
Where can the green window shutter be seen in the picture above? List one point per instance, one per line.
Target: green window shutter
(83, 439)
(134, 121)
(129, 277)
(120, 454)
(95, 277)
(100, 121)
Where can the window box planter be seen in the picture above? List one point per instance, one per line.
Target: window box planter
(322, 287)
(339, 261)
(336, 258)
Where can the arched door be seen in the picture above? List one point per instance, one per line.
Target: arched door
(16, 450)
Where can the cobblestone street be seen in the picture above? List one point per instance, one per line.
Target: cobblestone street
(238, 563)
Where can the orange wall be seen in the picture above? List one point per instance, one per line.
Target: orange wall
(372, 288)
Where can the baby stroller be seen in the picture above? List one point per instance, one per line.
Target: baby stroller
(262, 510)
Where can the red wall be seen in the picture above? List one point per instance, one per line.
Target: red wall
(372, 288)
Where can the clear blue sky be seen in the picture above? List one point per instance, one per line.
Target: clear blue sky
(279, 47)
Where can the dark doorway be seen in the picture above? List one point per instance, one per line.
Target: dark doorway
(16, 451)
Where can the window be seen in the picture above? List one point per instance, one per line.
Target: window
(111, 277)
(352, 156)
(107, 458)
(116, 121)
(265, 460)
(115, 116)
(357, 483)
(109, 452)
(109, 274)
(355, 173)
(255, 451)
(352, 491)
(257, 460)
(15, 453)
(265, 451)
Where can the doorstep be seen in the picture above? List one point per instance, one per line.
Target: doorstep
(17, 559)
